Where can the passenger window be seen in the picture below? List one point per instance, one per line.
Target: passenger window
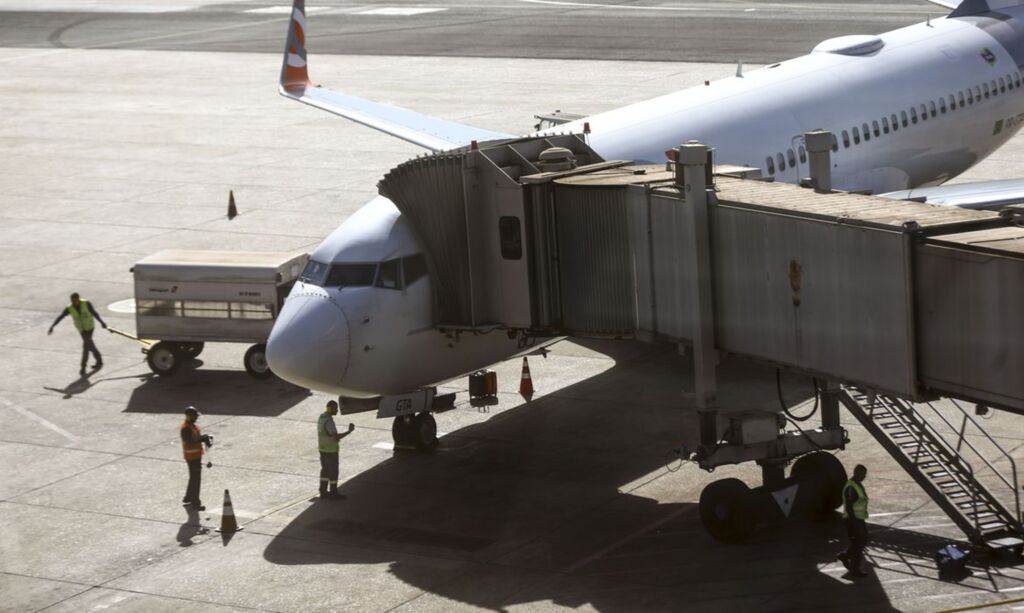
(856, 136)
(835, 144)
(895, 123)
(885, 125)
(389, 275)
(984, 91)
(970, 96)
(903, 118)
(511, 237)
(931, 108)
(1002, 85)
(867, 132)
(414, 268)
(924, 113)
(782, 162)
(952, 102)
(351, 275)
(792, 158)
(803, 154)
(995, 88)
(942, 105)
(1009, 81)
(1016, 79)
(913, 115)
(960, 97)
(846, 139)
(877, 131)
(770, 165)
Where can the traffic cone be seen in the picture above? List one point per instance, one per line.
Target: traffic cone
(227, 516)
(232, 209)
(526, 383)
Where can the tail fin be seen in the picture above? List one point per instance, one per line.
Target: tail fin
(294, 75)
(979, 7)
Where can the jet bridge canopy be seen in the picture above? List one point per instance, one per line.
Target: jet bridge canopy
(905, 298)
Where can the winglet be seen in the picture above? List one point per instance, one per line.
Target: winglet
(293, 66)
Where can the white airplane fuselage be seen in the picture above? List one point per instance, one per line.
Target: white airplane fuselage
(366, 340)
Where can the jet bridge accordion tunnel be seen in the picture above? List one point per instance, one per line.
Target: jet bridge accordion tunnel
(541, 235)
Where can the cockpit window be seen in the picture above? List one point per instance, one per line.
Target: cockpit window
(351, 275)
(390, 275)
(314, 273)
(415, 268)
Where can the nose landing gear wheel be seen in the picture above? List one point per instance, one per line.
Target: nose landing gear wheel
(727, 510)
(418, 431)
(163, 359)
(256, 362)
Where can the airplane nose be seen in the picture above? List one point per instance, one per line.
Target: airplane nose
(309, 345)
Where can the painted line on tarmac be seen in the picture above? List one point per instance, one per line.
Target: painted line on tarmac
(41, 420)
(635, 535)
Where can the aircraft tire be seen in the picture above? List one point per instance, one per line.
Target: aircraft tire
(256, 362)
(424, 432)
(727, 510)
(821, 476)
(163, 358)
(401, 428)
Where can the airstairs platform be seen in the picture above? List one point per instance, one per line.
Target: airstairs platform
(894, 301)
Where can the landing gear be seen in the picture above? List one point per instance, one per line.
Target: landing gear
(256, 362)
(727, 510)
(417, 431)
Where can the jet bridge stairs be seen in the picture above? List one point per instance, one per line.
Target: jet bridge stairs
(894, 305)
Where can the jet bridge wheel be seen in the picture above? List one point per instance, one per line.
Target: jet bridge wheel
(256, 362)
(164, 358)
(418, 431)
(727, 510)
(821, 477)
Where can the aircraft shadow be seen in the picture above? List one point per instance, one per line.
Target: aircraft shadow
(546, 502)
(215, 392)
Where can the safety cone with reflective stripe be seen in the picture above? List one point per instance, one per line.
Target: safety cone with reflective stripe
(526, 383)
(227, 516)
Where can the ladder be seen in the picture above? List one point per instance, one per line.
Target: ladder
(939, 466)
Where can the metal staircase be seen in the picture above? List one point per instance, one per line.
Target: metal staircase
(938, 463)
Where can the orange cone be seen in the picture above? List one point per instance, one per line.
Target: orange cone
(526, 383)
(227, 516)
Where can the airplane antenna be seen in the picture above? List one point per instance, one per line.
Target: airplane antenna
(929, 21)
(739, 69)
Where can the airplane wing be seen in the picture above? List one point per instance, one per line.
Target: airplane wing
(978, 195)
(429, 132)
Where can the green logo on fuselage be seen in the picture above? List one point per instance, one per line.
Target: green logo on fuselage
(988, 56)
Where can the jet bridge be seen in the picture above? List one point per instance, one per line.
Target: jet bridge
(880, 298)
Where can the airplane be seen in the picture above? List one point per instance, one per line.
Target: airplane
(910, 108)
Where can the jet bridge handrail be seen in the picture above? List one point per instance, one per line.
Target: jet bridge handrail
(1013, 465)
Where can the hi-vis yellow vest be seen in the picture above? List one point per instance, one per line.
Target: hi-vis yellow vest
(328, 443)
(860, 506)
(82, 316)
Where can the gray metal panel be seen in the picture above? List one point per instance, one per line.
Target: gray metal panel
(970, 328)
(595, 262)
(819, 296)
(668, 228)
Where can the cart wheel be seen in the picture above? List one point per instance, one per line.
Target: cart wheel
(256, 362)
(192, 350)
(163, 359)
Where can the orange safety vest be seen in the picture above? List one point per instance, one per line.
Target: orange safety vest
(192, 451)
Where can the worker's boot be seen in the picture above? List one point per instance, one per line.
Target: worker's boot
(334, 495)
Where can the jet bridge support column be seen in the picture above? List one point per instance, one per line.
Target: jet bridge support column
(692, 223)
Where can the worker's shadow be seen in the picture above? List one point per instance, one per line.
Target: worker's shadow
(191, 528)
(85, 382)
(215, 392)
(568, 500)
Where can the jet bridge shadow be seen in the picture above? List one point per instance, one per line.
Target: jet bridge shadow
(214, 392)
(567, 499)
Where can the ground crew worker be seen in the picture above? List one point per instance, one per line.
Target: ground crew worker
(192, 441)
(82, 314)
(855, 512)
(328, 437)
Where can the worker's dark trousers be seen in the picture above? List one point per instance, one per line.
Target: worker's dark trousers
(857, 530)
(89, 346)
(328, 472)
(195, 477)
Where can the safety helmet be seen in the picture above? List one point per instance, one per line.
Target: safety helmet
(191, 411)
